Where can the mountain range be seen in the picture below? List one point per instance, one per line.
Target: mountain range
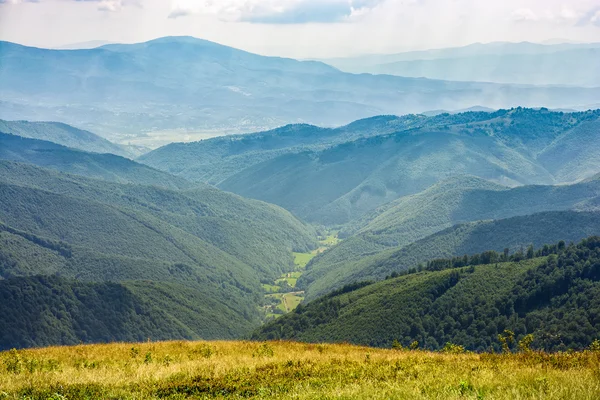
(156, 92)
(334, 176)
(501, 62)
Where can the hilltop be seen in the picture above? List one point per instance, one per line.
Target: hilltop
(107, 166)
(66, 135)
(283, 370)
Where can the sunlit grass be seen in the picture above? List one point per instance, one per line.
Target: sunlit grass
(291, 371)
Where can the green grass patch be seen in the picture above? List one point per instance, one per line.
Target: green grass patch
(301, 259)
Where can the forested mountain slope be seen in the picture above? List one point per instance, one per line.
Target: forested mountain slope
(196, 255)
(514, 233)
(65, 135)
(336, 176)
(101, 166)
(455, 200)
(556, 298)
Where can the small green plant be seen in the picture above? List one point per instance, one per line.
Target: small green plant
(506, 339)
(525, 343)
(134, 352)
(414, 345)
(396, 345)
(452, 348)
(264, 350)
(204, 350)
(148, 358)
(13, 362)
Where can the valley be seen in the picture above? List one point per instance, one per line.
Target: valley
(281, 296)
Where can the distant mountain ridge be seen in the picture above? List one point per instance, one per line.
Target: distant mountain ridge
(65, 135)
(128, 92)
(501, 62)
(107, 166)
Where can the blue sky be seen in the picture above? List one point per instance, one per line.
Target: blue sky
(303, 28)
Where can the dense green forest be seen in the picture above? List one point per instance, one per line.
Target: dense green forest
(50, 310)
(198, 255)
(552, 293)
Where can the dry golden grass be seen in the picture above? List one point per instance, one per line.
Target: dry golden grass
(284, 370)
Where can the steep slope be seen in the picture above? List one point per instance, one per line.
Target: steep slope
(342, 183)
(101, 166)
(43, 311)
(513, 233)
(65, 135)
(556, 298)
(187, 264)
(261, 235)
(184, 84)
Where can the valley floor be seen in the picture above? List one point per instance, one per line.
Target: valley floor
(285, 370)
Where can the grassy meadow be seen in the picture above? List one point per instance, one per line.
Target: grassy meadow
(285, 370)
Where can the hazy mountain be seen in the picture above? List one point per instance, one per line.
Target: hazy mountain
(217, 159)
(521, 63)
(102, 166)
(342, 182)
(196, 255)
(180, 84)
(474, 237)
(556, 298)
(67, 136)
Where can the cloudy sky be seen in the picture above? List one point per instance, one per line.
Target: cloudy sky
(302, 28)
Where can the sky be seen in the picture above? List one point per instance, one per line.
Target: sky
(303, 28)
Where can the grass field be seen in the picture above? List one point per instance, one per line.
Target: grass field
(179, 370)
(301, 259)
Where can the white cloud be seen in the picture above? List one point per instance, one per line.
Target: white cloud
(110, 5)
(274, 11)
(524, 14)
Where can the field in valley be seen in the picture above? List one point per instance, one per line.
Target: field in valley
(280, 295)
(284, 370)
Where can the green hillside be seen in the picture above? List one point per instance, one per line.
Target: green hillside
(212, 247)
(259, 234)
(556, 298)
(455, 200)
(65, 135)
(214, 160)
(513, 233)
(343, 182)
(41, 311)
(100, 166)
